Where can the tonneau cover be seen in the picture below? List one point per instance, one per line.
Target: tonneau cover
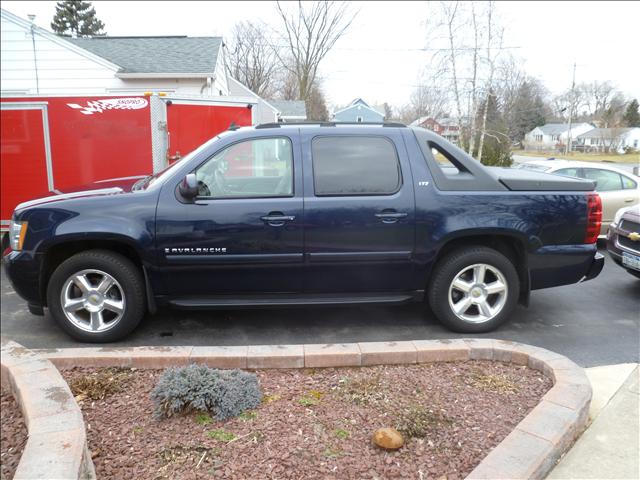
(527, 180)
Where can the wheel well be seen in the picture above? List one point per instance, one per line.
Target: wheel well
(510, 247)
(59, 253)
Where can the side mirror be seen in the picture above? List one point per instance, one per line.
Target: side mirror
(189, 186)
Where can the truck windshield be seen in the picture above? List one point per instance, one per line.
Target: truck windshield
(158, 177)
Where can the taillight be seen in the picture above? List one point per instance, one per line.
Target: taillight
(594, 218)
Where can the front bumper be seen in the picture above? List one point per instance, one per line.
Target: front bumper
(615, 249)
(23, 271)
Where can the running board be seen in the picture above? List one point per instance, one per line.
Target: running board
(292, 300)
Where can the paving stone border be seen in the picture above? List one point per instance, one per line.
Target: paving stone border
(57, 442)
(529, 452)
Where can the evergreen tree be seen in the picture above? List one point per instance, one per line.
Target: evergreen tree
(76, 18)
(497, 144)
(631, 117)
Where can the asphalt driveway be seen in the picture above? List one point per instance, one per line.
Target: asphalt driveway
(594, 323)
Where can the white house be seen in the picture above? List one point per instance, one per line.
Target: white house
(36, 61)
(553, 135)
(609, 139)
(290, 110)
(269, 111)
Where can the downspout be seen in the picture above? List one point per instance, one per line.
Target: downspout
(35, 60)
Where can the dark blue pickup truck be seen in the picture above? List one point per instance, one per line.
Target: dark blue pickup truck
(286, 214)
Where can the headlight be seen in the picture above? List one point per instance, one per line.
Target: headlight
(17, 232)
(618, 217)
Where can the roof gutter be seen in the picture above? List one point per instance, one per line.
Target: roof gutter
(164, 75)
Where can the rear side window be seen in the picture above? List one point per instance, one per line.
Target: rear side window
(355, 165)
(568, 172)
(627, 183)
(606, 180)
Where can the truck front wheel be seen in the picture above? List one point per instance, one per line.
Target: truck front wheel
(473, 290)
(97, 296)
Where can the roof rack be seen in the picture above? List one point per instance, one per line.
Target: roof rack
(328, 124)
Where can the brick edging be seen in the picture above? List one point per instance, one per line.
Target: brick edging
(529, 451)
(57, 443)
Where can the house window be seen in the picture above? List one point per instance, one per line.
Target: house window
(538, 138)
(555, 138)
(359, 119)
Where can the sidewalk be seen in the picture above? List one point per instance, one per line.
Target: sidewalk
(610, 447)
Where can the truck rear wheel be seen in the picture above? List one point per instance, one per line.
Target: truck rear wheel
(97, 296)
(473, 290)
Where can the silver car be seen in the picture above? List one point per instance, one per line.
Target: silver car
(617, 188)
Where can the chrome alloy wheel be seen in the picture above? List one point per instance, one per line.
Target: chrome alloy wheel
(92, 300)
(478, 293)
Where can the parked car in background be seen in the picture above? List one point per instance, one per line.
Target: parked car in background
(617, 188)
(623, 239)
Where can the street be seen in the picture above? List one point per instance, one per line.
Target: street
(594, 323)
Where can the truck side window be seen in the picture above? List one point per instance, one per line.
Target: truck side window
(262, 167)
(355, 165)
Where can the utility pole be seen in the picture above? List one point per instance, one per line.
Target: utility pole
(571, 100)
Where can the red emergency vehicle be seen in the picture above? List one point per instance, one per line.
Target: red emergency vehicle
(52, 143)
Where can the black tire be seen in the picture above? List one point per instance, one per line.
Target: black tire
(129, 278)
(446, 271)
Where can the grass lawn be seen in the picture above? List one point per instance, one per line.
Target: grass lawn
(584, 157)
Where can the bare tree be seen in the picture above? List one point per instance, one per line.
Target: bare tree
(251, 58)
(491, 60)
(310, 33)
(428, 99)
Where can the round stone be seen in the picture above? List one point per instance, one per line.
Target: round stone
(388, 438)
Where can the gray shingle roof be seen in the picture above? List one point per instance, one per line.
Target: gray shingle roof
(290, 108)
(554, 128)
(605, 133)
(156, 54)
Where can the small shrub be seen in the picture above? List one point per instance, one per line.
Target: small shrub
(308, 401)
(248, 416)
(270, 398)
(222, 393)
(203, 419)
(494, 383)
(221, 435)
(417, 421)
(341, 434)
(97, 386)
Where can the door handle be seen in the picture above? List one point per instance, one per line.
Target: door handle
(390, 217)
(277, 219)
(629, 200)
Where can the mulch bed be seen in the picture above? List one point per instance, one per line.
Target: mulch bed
(13, 434)
(315, 423)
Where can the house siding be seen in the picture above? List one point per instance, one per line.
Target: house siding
(61, 70)
(351, 114)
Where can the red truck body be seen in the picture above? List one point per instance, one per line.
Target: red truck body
(49, 144)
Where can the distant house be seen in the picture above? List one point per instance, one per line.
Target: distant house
(609, 140)
(445, 127)
(554, 135)
(358, 111)
(290, 110)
